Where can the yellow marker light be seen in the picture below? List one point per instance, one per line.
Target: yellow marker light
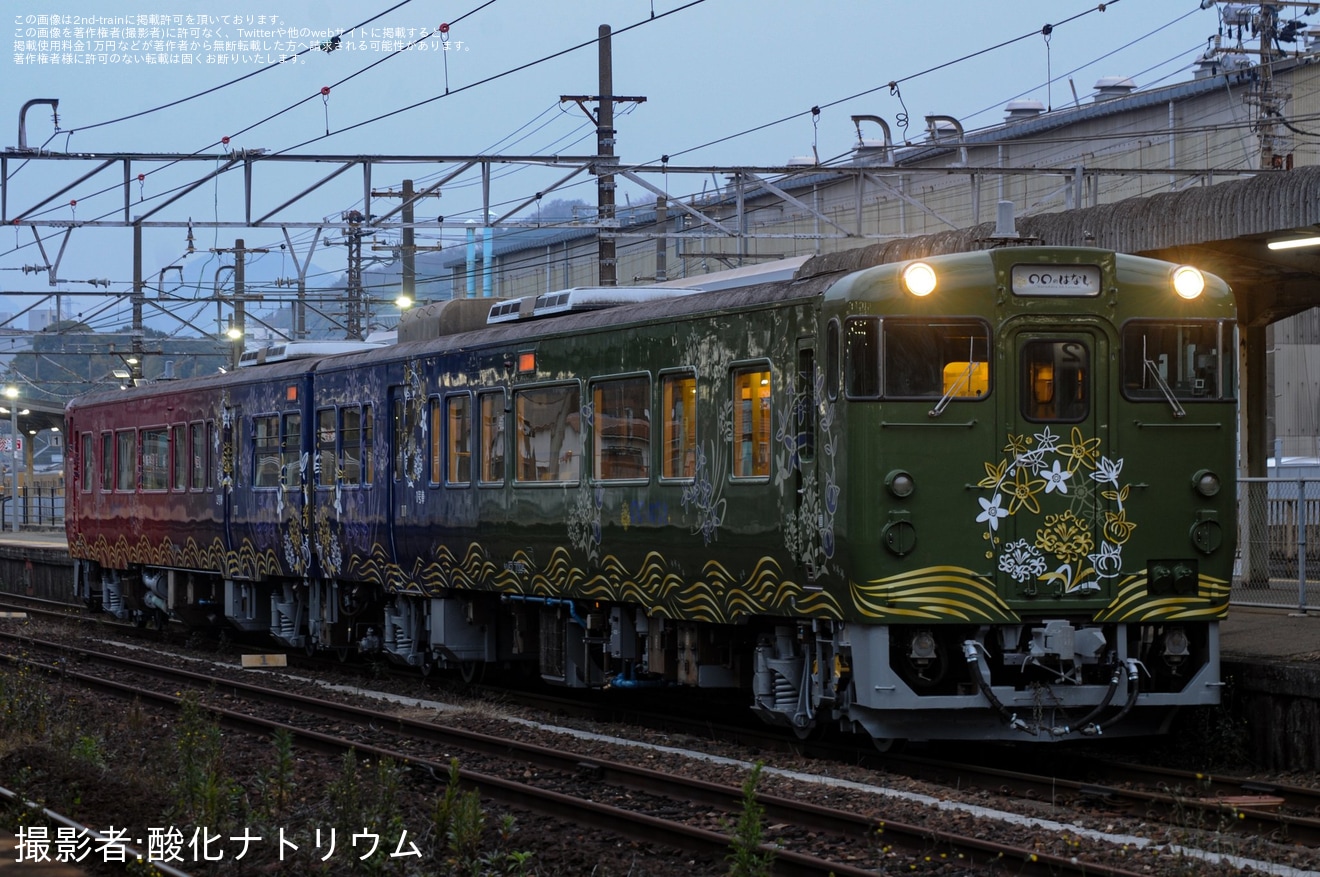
(1188, 282)
(919, 279)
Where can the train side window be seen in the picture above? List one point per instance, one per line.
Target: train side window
(458, 439)
(291, 451)
(87, 461)
(621, 429)
(266, 451)
(548, 441)
(350, 440)
(751, 422)
(492, 437)
(107, 461)
(155, 458)
(125, 459)
(932, 360)
(179, 457)
(1055, 377)
(436, 439)
(207, 459)
(862, 357)
(326, 462)
(197, 442)
(678, 400)
(832, 360)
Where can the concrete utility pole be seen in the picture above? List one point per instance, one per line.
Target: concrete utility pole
(604, 119)
(408, 248)
(237, 328)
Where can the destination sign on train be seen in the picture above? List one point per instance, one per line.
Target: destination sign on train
(1056, 280)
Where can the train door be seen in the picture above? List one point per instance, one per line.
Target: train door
(1049, 508)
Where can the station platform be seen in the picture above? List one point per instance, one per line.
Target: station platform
(1252, 634)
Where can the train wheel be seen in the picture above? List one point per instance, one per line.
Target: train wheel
(309, 646)
(887, 744)
(472, 672)
(428, 664)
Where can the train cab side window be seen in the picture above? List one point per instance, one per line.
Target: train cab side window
(493, 443)
(621, 429)
(350, 440)
(107, 461)
(126, 460)
(751, 423)
(678, 400)
(327, 464)
(178, 457)
(458, 440)
(832, 360)
(266, 451)
(936, 360)
(86, 461)
(1056, 379)
(548, 437)
(862, 357)
(1194, 360)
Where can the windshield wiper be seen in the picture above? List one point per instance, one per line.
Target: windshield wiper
(964, 378)
(1160, 382)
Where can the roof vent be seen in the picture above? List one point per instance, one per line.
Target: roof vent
(1017, 110)
(1110, 87)
(801, 161)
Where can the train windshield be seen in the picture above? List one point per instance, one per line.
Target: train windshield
(944, 359)
(1190, 360)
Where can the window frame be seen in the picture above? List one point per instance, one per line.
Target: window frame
(87, 453)
(574, 454)
(598, 435)
(1226, 379)
(762, 436)
(126, 480)
(987, 338)
(265, 433)
(109, 456)
(663, 379)
(500, 397)
(452, 452)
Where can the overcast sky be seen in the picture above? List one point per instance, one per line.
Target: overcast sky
(718, 77)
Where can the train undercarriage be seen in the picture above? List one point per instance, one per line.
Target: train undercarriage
(1051, 679)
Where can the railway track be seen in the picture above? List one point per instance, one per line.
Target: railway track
(1240, 809)
(810, 838)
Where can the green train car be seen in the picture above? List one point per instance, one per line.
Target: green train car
(975, 496)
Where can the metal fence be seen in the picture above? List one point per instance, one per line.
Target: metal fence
(1278, 560)
(38, 507)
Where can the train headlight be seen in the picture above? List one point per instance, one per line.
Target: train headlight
(900, 483)
(1206, 483)
(1188, 282)
(919, 279)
